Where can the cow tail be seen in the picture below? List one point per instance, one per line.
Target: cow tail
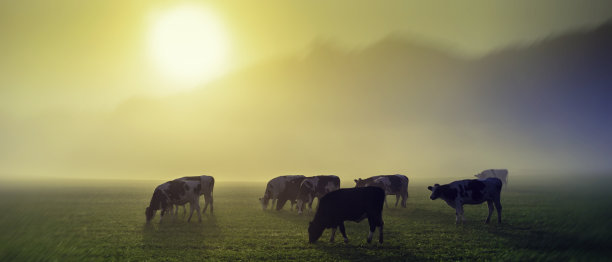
(212, 184)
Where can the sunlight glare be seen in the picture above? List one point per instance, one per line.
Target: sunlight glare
(188, 44)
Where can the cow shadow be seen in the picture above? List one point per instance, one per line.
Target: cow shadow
(357, 234)
(357, 246)
(178, 233)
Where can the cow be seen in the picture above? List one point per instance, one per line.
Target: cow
(392, 184)
(175, 192)
(207, 185)
(315, 187)
(502, 174)
(280, 189)
(470, 191)
(352, 204)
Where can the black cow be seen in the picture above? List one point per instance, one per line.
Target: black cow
(315, 187)
(352, 204)
(392, 184)
(175, 192)
(470, 191)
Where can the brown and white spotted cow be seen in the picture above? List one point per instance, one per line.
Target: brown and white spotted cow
(315, 187)
(207, 185)
(175, 192)
(280, 190)
(392, 184)
(502, 174)
(470, 191)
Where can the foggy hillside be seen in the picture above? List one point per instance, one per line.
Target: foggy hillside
(393, 107)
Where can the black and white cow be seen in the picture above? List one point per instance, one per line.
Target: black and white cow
(502, 174)
(352, 204)
(280, 189)
(392, 184)
(470, 191)
(315, 187)
(175, 192)
(207, 185)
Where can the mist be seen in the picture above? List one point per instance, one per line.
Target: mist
(395, 106)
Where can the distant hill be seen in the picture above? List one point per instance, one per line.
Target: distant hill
(393, 107)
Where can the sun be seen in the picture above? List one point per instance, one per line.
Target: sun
(188, 45)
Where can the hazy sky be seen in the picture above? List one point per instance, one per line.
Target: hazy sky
(66, 53)
(64, 63)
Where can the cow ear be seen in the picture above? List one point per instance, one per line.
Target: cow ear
(430, 188)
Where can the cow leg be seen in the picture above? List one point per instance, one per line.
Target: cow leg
(461, 213)
(397, 197)
(380, 233)
(372, 229)
(197, 207)
(161, 215)
(191, 208)
(456, 216)
(194, 206)
(331, 239)
(343, 231)
(206, 201)
(404, 197)
(499, 210)
(211, 203)
(310, 206)
(490, 204)
(184, 211)
(386, 205)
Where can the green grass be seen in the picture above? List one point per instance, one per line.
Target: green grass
(104, 223)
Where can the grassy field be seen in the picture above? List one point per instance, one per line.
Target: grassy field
(105, 223)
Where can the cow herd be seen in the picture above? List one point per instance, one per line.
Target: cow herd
(335, 205)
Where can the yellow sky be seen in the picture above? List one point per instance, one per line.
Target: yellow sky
(65, 63)
(58, 52)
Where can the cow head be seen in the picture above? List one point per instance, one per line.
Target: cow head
(315, 230)
(264, 202)
(360, 182)
(149, 213)
(435, 193)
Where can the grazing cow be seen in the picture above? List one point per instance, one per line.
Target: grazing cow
(392, 184)
(502, 174)
(207, 185)
(175, 192)
(470, 191)
(352, 204)
(279, 190)
(315, 187)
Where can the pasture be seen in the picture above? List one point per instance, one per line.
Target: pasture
(105, 222)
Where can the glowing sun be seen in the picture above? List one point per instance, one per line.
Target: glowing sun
(188, 44)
